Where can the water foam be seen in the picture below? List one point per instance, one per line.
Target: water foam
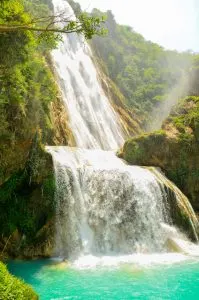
(105, 206)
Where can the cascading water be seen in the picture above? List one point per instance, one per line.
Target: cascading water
(104, 207)
(92, 119)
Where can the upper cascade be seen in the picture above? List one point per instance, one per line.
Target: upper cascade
(92, 120)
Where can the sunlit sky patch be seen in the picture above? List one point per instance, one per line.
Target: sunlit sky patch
(173, 24)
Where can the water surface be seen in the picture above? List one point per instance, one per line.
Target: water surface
(179, 280)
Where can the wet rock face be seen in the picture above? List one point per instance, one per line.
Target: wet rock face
(175, 149)
(19, 245)
(43, 243)
(178, 206)
(27, 186)
(27, 207)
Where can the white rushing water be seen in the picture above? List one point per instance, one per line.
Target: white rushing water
(92, 120)
(105, 206)
(107, 211)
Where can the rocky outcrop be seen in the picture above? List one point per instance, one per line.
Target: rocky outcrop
(131, 120)
(175, 149)
(27, 207)
(178, 206)
(43, 243)
(62, 134)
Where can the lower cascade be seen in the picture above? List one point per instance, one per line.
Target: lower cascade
(106, 207)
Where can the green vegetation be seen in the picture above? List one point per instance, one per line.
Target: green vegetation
(30, 113)
(21, 208)
(27, 89)
(27, 203)
(174, 148)
(13, 288)
(148, 75)
(33, 16)
(144, 71)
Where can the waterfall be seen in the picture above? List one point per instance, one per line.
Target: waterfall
(104, 206)
(92, 120)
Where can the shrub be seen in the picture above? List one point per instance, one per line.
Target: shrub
(14, 289)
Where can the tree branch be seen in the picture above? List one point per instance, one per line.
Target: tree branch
(5, 29)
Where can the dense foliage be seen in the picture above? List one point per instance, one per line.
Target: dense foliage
(26, 84)
(13, 288)
(144, 71)
(45, 23)
(27, 89)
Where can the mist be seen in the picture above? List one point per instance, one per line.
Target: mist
(171, 24)
(174, 97)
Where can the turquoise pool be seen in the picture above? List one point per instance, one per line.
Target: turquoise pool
(178, 280)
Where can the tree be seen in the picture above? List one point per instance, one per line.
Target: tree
(86, 25)
(60, 23)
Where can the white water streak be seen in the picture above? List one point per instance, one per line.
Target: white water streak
(92, 119)
(105, 206)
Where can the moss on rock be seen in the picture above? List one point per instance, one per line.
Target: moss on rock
(175, 149)
(130, 119)
(27, 205)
